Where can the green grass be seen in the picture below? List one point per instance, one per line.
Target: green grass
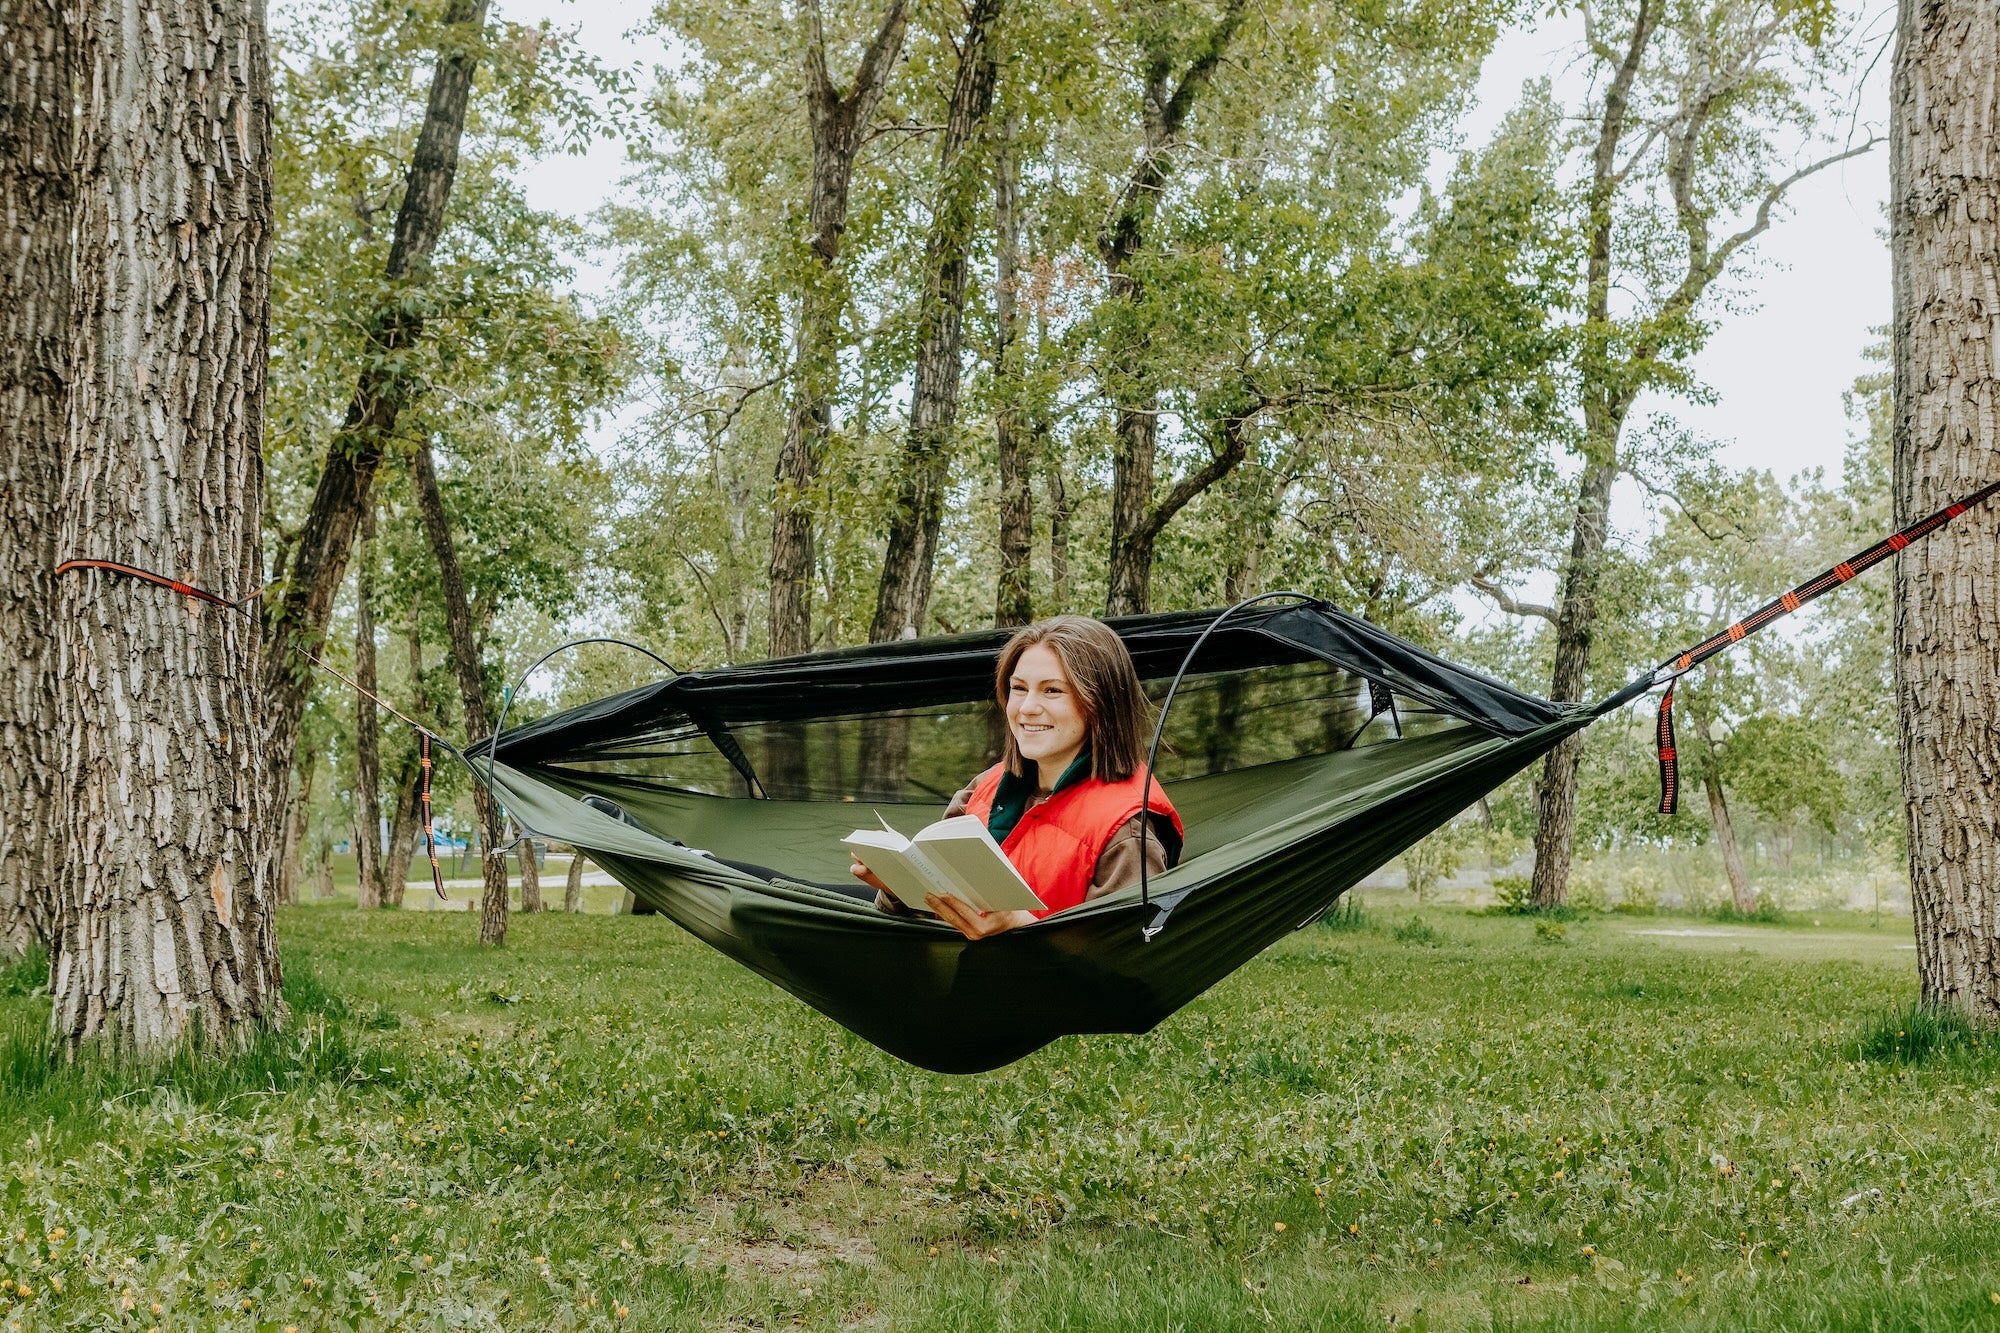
(1467, 1129)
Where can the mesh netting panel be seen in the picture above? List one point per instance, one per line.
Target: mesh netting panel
(1220, 722)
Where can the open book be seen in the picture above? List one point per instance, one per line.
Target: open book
(953, 856)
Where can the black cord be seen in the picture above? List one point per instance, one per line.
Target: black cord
(507, 701)
(1160, 728)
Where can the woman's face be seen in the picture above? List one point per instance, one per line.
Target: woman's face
(1043, 712)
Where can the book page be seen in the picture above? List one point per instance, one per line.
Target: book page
(909, 874)
(965, 855)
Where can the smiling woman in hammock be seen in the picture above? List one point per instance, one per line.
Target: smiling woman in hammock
(1065, 801)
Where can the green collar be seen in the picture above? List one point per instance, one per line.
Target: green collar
(1011, 800)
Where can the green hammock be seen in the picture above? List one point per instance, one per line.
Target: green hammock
(1304, 749)
(1311, 749)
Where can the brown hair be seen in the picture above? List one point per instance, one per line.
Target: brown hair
(1115, 707)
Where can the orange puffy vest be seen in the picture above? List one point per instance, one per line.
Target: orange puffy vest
(1057, 843)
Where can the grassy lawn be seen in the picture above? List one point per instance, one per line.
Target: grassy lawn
(1452, 1122)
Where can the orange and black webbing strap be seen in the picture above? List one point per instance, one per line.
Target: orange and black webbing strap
(1670, 769)
(1823, 582)
(430, 838)
(241, 607)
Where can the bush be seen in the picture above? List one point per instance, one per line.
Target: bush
(1919, 1033)
(1417, 931)
(1345, 914)
(1551, 931)
(1639, 889)
(1513, 895)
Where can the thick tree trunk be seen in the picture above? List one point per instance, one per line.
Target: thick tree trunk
(839, 124)
(1013, 596)
(531, 877)
(367, 729)
(37, 126)
(1740, 893)
(472, 691)
(1944, 203)
(385, 383)
(909, 561)
(573, 886)
(1134, 523)
(164, 897)
(1555, 792)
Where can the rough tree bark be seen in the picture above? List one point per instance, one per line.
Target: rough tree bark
(1135, 520)
(1059, 514)
(1740, 893)
(37, 126)
(531, 877)
(326, 538)
(1944, 218)
(1013, 595)
(164, 928)
(472, 691)
(909, 560)
(839, 123)
(573, 886)
(367, 729)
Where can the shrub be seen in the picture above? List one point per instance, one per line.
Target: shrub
(1551, 931)
(1919, 1033)
(1513, 894)
(1417, 931)
(1345, 914)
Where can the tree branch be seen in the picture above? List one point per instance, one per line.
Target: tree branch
(1506, 601)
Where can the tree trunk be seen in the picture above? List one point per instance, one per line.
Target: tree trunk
(573, 886)
(386, 382)
(1052, 479)
(1555, 792)
(367, 729)
(1166, 104)
(1944, 202)
(909, 561)
(298, 828)
(37, 126)
(406, 826)
(839, 124)
(531, 877)
(472, 691)
(1740, 893)
(164, 898)
(1013, 595)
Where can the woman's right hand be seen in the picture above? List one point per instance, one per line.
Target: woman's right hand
(865, 875)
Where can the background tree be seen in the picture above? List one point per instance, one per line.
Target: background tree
(164, 900)
(1688, 129)
(37, 127)
(316, 555)
(1944, 194)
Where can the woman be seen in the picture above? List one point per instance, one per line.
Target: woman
(1064, 803)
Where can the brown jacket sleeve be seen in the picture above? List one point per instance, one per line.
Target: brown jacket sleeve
(888, 902)
(1118, 863)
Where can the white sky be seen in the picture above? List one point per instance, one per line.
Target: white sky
(1778, 364)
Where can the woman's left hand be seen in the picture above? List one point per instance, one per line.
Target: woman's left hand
(971, 922)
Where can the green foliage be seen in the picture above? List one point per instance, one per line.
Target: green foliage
(1513, 894)
(1918, 1034)
(1347, 913)
(1417, 931)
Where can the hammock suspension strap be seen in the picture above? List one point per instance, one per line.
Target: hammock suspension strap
(242, 607)
(1824, 582)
